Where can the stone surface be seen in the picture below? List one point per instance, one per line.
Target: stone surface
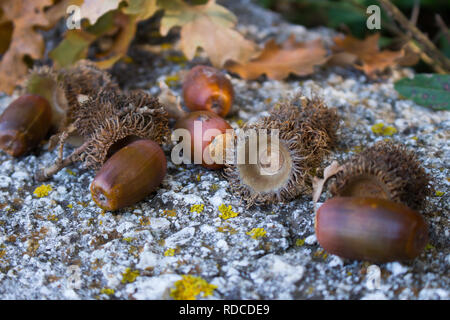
(64, 247)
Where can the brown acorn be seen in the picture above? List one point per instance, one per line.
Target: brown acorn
(110, 120)
(131, 174)
(204, 120)
(206, 88)
(376, 230)
(24, 123)
(307, 131)
(386, 170)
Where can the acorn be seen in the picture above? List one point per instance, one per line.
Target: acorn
(131, 174)
(284, 170)
(371, 229)
(107, 122)
(206, 88)
(387, 170)
(24, 123)
(199, 124)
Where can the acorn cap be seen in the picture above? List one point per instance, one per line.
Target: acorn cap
(62, 88)
(386, 170)
(111, 120)
(307, 131)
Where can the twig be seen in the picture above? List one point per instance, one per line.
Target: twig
(443, 26)
(438, 61)
(415, 12)
(46, 173)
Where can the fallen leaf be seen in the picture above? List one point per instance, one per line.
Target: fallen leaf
(94, 9)
(106, 19)
(364, 54)
(318, 184)
(278, 61)
(429, 90)
(25, 40)
(209, 26)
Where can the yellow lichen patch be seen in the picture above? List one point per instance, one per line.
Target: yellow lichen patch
(228, 229)
(107, 291)
(383, 130)
(52, 217)
(439, 193)
(240, 123)
(70, 206)
(257, 233)
(172, 80)
(299, 242)
(71, 172)
(144, 221)
(129, 276)
(129, 239)
(197, 208)
(169, 252)
(177, 59)
(42, 190)
(214, 187)
(429, 247)
(227, 212)
(198, 177)
(170, 213)
(189, 287)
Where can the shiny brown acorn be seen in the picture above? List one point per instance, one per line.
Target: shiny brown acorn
(204, 120)
(206, 88)
(377, 230)
(24, 123)
(129, 175)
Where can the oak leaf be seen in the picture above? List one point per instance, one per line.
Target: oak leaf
(209, 26)
(106, 18)
(364, 54)
(277, 61)
(24, 40)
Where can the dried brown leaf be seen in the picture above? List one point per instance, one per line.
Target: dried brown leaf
(364, 54)
(208, 26)
(277, 61)
(26, 41)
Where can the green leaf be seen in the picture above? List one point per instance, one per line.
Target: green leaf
(429, 90)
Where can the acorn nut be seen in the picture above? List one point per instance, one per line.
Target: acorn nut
(24, 123)
(377, 230)
(206, 88)
(131, 174)
(203, 128)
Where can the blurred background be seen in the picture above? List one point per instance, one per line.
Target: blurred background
(349, 16)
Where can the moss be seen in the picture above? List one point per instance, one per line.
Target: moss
(439, 193)
(227, 212)
(129, 275)
(42, 190)
(197, 208)
(300, 242)
(190, 287)
(257, 233)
